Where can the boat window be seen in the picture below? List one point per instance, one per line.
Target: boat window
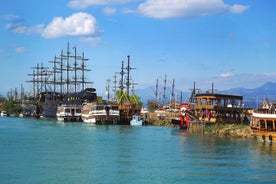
(269, 124)
(203, 101)
(78, 110)
(115, 107)
(67, 110)
(262, 123)
(210, 102)
(100, 107)
(256, 123)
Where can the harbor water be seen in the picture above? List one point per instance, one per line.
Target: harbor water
(47, 151)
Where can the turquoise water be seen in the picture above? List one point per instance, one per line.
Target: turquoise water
(43, 151)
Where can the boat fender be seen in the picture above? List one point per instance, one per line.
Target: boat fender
(270, 137)
(183, 110)
(263, 136)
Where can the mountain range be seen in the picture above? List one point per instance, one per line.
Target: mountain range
(252, 97)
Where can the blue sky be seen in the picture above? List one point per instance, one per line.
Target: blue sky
(229, 42)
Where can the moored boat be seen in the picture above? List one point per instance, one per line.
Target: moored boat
(136, 121)
(211, 107)
(4, 113)
(263, 122)
(184, 118)
(69, 113)
(220, 108)
(94, 113)
(62, 84)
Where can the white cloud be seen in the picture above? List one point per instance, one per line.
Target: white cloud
(185, 8)
(35, 29)
(236, 9)
(78, 24)
(93, 41)
(127, 11)
(226, 75)
(109, 11)
(81, 4)
(20, 49)
(10, 17)
(181, 8)
(19, 27)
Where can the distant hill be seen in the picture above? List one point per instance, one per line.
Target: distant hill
(252, 97)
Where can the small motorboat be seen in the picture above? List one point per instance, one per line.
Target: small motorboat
(136, 121)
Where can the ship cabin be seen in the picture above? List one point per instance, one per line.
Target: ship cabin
(127, 110)
(264, 123)
(218, 108)
(264, 118)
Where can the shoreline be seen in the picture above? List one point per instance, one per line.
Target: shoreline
(231, 130)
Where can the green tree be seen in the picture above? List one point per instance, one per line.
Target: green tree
(135, 98)
(152, 106)
(2, 99)
(122, 97)
(11, 107)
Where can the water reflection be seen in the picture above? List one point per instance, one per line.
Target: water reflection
(215, 158)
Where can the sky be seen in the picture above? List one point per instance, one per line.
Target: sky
(231, 43)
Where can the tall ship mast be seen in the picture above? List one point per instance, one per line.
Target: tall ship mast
(127, 106)
(63, 83)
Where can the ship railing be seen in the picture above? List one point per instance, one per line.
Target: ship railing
(265, 111)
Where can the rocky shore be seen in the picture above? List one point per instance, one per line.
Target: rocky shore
(231, 130)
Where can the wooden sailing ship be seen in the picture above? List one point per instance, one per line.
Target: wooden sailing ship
(128, 105)
(118, 110)
(60, 84)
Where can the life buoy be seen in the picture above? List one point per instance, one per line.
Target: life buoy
(270, 137)
(263, 136)
(183, 111)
